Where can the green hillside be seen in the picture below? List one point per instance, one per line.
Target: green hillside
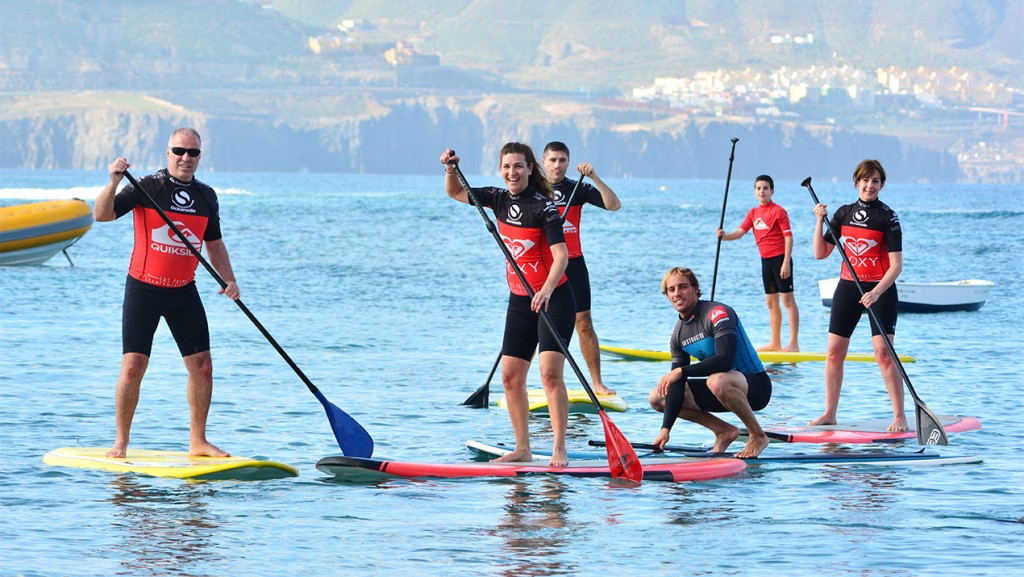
(607, 47)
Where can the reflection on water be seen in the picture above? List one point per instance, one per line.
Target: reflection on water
(863, 490)
(165, 530)
(535, 529)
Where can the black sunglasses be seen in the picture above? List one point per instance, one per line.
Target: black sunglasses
(179, 151)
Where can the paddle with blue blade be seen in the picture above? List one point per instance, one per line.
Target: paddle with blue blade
(481, 397)
(622, 459)
(929, 427)
(352, 438)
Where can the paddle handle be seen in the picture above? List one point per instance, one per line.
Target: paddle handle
(572, 195)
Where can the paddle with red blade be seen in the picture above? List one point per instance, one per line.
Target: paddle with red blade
(622, 459)
(352, 438)
(929, 426)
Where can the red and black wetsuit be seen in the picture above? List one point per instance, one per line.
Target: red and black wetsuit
(579, 276)
(160, 258)
(161, 274)
(870, 232)
(529, 224)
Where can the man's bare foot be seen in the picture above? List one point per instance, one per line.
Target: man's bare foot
(899, 425)
(770, 347)
(754, 447)
(603, 391)
(791, 348)
(206, 449)
(118, 451)
(723, 440)
(558, 459)
(825, 419)
(517, 456)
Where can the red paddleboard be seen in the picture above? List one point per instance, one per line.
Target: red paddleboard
(357, 468)
(872, 431)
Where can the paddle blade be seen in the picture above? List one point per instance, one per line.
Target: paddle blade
(480, 397)
(622, 459)
(929, 428)
(352, 438)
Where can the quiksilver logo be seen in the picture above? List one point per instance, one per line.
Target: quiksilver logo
(166, 240)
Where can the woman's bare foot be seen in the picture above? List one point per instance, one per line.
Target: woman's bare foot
(558, 459)
(825, 419)
(517, 456)
(755, 444)
(770, 347)
(791, 348)
(603, 391)
(206, 449)
(724, 439)
(899, 425)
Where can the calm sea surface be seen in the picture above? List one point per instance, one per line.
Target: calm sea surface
(390, 297)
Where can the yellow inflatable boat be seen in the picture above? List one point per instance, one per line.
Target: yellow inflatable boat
(32, 233)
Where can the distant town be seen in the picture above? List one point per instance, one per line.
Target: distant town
(970, 114)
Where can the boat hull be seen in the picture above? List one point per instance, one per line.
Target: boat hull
(32, 233)
(930, 297)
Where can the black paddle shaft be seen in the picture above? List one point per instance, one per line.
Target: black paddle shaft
(930, 439)
(721, 221)
(572, 195)
(529, 289)
(220, 280)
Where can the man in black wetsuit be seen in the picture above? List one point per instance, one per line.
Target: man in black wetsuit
(727, 377)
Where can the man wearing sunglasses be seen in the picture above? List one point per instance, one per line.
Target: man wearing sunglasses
(161, 280)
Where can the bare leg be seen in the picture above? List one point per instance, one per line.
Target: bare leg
(893, 383)
(552, 367)
(200, 393)
(591, 348)
(724, 433)
(774, 321)
(835, 356)
(513, 377)
(731, 390)
(793, 315)
(133, 368)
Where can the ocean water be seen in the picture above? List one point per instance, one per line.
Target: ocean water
(390, 297)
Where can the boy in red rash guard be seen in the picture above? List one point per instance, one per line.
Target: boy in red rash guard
(775, 243)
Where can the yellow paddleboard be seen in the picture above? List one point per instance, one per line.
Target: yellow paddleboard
(768, 357)
(579, 402)
(174, 464)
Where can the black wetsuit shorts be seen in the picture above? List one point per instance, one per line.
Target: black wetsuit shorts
(525, 329)
(759, 392)
(144, 305)
(771, 275)
(847, 310)
(579, 278)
